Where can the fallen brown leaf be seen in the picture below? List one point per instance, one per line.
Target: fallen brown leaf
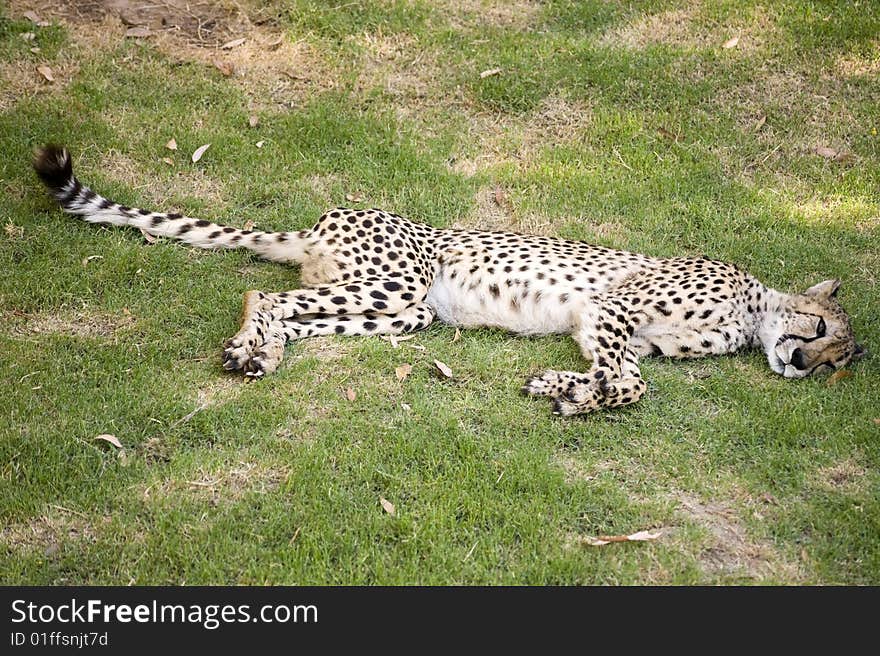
(827, 153)
(837, 376)
(172, 144)
(168, 161)
(112, 439)
(35, 50)
(489, 73)
(46, 72)
(248, 225)
(456, 336)
(138, 32)
(387, 506)
(730, 43)
(197, 155)
(403, 371)
(151, 239)
(226, 68)
(253, 120)
(34, 18)
(229, 45)
(350, 394)
(640, 536)
(355, 197)
(760, 122)
(877, 421)
(28, 36)
(260, 143)
(666, 134)
(444, 368)
(500, 197)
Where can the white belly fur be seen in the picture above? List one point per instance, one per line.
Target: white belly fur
(458, 305)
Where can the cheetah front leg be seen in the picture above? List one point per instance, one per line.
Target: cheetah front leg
(614, 379)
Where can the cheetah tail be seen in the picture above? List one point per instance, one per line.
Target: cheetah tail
(54, 166)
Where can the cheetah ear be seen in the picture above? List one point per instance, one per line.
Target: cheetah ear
(825, 289)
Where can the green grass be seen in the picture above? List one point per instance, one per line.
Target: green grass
(754, 479)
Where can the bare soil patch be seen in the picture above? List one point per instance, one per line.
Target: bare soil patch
(510, 14)
(227, 484)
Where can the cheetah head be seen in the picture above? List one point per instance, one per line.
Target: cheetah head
(813, 334)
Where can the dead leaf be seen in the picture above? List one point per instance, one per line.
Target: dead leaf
(248, 225)
(138, 32)
(229, 45)
(837, 376)
(33, 18)
(827, 153)
(151, 239)
(260, 143)
(253, 120)
(168, 161)
(35, 50)
(730, 43)
(172, 144)
(275, 43)
(197, 155)
(456, 336)
(500, 197)
(112, 439)
(640, 536)
(88, 259)
(396, 339)
(13, 231)
(354, 198)
(28, 36)
(387, 506)
(46, 72)
(444, 369)
(408, 407)
(403, 371)
(490, 72)
(350, 394)
(877, 421)
(666, 134)
(760, 123)
(226, 68)
(844, 157)
(769, 499)
(417, 347)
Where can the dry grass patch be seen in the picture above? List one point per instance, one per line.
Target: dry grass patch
(229, 483)
(49, 532)
(844, 476)
(471, 14)
(732, 551)
(494, 211)
(575, 471)
(76, 324)
(685, 28)
(187, 182)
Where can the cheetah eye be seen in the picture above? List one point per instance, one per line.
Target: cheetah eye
(820, 328)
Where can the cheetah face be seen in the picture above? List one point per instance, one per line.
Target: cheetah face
(814, 334)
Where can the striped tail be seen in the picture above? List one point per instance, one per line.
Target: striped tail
(55, 168)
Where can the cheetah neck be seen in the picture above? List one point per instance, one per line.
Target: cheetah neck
(770, 307)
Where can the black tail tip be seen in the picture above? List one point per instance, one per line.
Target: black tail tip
(54, 166)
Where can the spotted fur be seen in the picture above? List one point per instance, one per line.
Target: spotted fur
(369, 272)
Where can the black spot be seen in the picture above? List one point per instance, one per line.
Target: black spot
(201, 223)
(158, 220)
(378, 295)
(227, 229)
(493, 289)
(186, 227)
(392, 286)
(338, 300)
(369, 325)
(173, 216)
(339, 330)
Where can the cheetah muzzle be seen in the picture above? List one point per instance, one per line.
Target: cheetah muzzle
(369, 272)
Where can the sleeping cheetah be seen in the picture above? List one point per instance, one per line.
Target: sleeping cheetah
(369, 272)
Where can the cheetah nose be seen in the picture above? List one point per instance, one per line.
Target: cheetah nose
(797, 359)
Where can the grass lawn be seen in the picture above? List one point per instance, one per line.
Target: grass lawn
(643, 126)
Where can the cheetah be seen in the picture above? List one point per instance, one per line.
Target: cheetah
(370, 272)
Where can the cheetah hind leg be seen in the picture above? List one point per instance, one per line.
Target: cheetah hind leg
(266, 357)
